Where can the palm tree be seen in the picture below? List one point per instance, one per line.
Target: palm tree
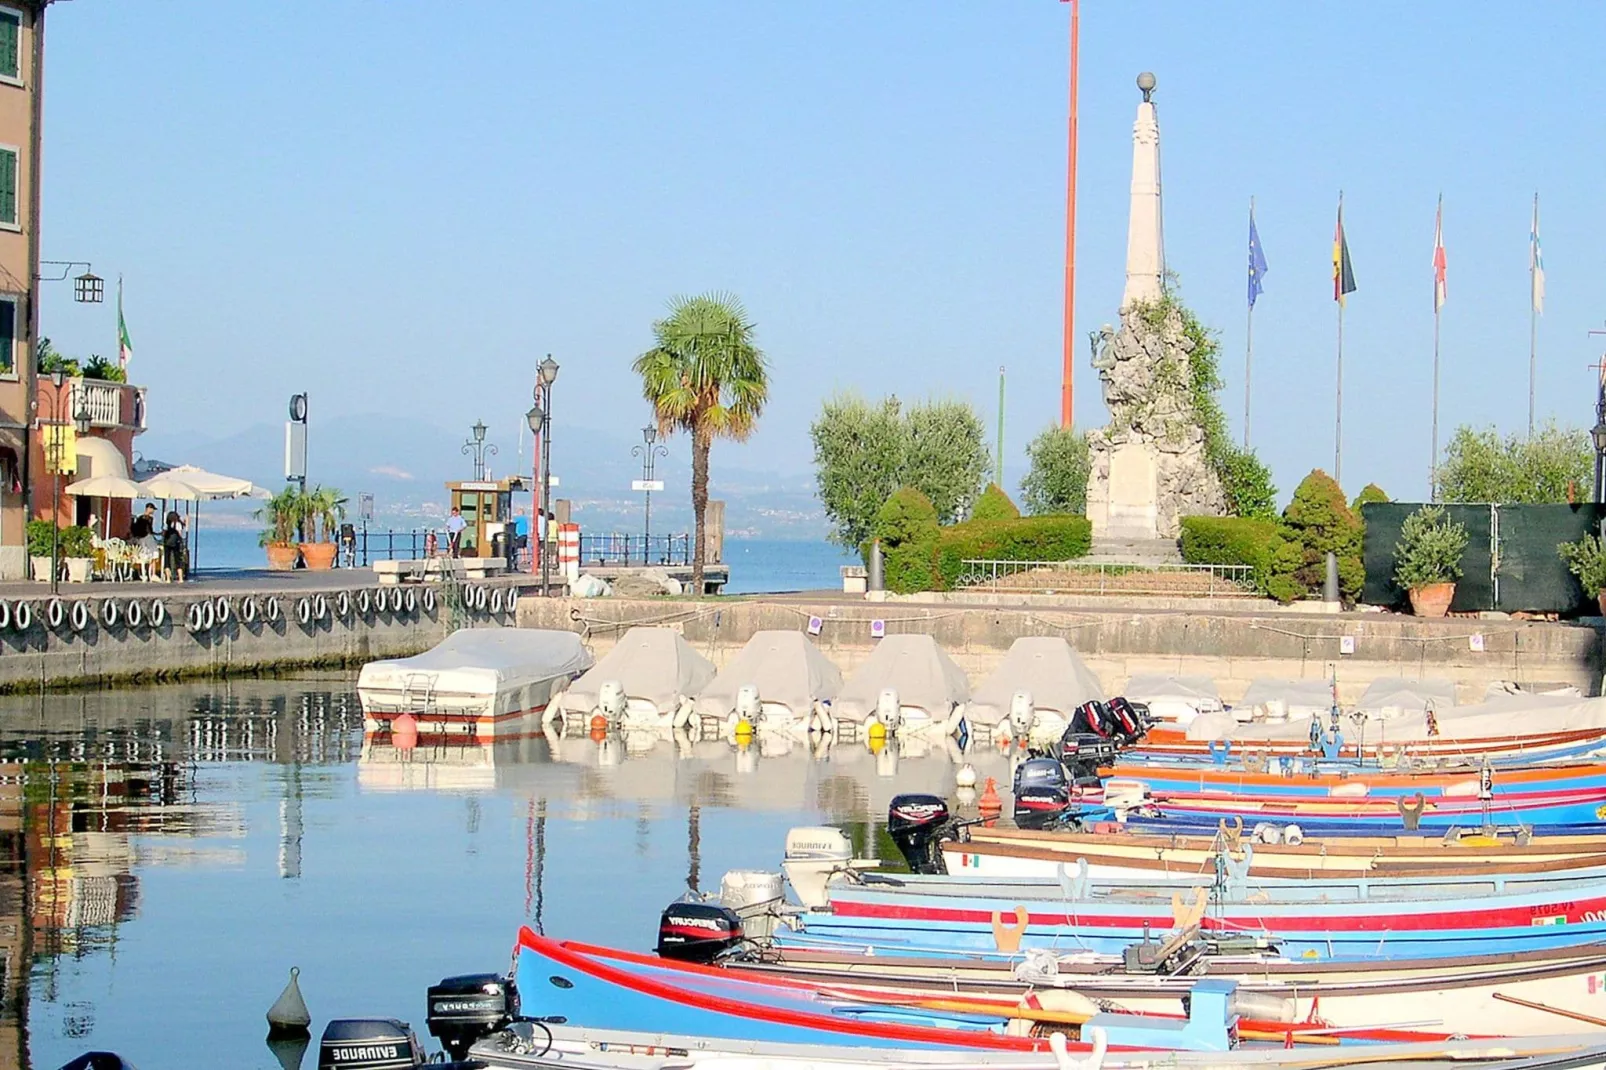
(705, 376)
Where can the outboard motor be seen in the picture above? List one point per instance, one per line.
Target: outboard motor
(698, 932)
(1091, 717)
(369, 1044)
(469, 1008)
(612, 701)
(1083, 755)
(1022, 713)
(889, 710)
(918, 824)
(749, 708)
(1125, 715)
(1042, 793)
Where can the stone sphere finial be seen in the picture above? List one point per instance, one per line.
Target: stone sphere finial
(1146, 83)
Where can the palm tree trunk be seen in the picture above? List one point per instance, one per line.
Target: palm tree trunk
(700, 442)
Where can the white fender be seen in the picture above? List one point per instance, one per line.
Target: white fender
(320, 607)
(412, 601)
(108, 613)
(158, 613)
(343, 604)
(223, 609)
(363, 602)
(135, 614)
(5, 615)
(429, 599)
(55, 613)
(192, 617)
(303, 610)
(248, 609)
(208, 616)
(22, 616)
(270, 609)
(481, 598)
(80, 616)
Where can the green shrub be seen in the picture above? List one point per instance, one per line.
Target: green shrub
(1371, 493)
(1057, 480)
(907, 529)
(77, 541)
(41, 536)
(994, 504)
(1429, 550)
(1037, 538)
(1251, 495)
(1320, 520)
(1586, 559)
(1230, 540)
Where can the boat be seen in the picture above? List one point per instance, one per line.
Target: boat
(1033, 693)
(1175, 700)
(646, 681)
(778, 681)
(1315, 778)
(1338, 815)
(1272, 700)
(1388, 697)
(907, 685)
(477, 683)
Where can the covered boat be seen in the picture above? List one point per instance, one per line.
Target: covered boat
(1388, 697)
(1178, 699)
(779, 680)
(646, 681)
(907, 684)
(479, 682)
(1034, 691)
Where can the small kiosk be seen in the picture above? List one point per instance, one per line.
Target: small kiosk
(487, 509)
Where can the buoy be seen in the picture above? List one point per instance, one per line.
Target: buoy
(744, 728)
(989, 805)
(404, 732)
(288, 1016)
(289, 1050)
(877, 730)
(966, 777)
(598, 721)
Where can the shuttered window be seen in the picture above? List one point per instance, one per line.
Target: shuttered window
(8, 336)
(8, 186)
(10, 45)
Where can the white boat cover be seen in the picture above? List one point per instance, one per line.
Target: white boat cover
(924, 676)
(1045, 667)
(1388, 697)
(1499, 716)
(1301, 698)
(653, 665)
(1174, 698)
(482, 661)
(787, 669)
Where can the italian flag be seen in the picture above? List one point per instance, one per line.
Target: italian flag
(125, 347)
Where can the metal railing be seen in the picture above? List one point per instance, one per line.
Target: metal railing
(619, 549)
(1103, 577)
(389, 545)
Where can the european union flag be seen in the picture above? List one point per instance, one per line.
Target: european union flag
(1257, 260)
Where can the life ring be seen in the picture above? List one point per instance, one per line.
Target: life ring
(395, 599)
(5, 615)
(208, 616)
(320, 607)
(271, 609)
(481, 596)
(364, 602)
(429, 599)
(192, 617)
(303, 610)
(223, 609)
(496, 601)
(412, 601)
(158, 612)
(135, 615)
(108, 613)
(55, 613)
(343, 604)
(248, 610)
(79, 618)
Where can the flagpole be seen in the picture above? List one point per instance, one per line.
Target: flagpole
(1438, 241)
(1533, 318)
(1249, 340)
(1338, 417)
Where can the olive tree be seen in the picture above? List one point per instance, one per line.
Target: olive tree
(1057, 480)
(1481, 466)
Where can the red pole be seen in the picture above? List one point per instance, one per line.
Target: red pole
(1067, 389)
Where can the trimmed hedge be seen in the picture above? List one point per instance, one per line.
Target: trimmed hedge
(1263, 545)
(1036, 538)
(994, 504)
(907, 528)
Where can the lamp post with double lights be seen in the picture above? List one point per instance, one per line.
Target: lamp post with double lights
(649, 451)
(540, 420)
(53, 460)
(477, 446)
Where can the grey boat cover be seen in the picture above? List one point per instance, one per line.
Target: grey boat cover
(483, 661)
(653, 665)
(1302, 698)
(1174, 698)
(787, 669)
(1390, 696)
(924, 676)
(1044, 666)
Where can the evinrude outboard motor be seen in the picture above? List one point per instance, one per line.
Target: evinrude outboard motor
(1132, 718)
(369, 1044)
(469, 1008)
(1042, 793)
(918, 824)
(1091, 717)
(698, 932)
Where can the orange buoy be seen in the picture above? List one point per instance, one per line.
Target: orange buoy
(404, 732)
(599, 723)
(989, 805)
(599, 732)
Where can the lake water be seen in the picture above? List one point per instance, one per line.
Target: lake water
(758, 566)
(166, 855)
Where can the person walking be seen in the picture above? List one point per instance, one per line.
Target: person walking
(454, 532)
(173, 546)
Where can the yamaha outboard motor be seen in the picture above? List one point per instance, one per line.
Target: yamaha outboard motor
(1042, 793)
(369, 1044)
(918, 824)
(698, 932)
(464, 1010)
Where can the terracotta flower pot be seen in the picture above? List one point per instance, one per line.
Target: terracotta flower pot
(1600, 598)
(319, 556)
(1432, 600)
(282, 556)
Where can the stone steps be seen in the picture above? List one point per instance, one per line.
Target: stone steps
(1112, 550)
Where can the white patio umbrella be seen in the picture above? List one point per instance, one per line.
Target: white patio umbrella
(169, 487)
(104, 487)
(212, 485)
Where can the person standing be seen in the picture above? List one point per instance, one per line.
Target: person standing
(173, 547)
(454, 532)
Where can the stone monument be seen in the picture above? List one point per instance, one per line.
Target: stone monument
(1148, 466)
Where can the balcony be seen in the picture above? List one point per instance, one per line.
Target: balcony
(115, 406)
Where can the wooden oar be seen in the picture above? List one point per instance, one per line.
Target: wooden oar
(1588, 1019)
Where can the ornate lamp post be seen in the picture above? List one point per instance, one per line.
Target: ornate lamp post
(53, 458)
(477, 446)
(536, 418)
(1598, 433)
(649, 451)
(547, 374)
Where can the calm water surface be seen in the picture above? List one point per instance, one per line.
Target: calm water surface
(166, 855)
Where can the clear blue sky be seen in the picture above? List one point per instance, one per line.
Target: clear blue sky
(402, 206)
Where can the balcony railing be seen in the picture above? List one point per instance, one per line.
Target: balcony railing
(110, 405)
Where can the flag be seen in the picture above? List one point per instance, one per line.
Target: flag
(1536, 263)
(1343, 273)
(1441, 288)
(1257, 258)
(125, 346)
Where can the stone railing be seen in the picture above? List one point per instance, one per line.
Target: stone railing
(110, 405)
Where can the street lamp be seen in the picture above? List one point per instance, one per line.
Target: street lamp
(477, 446)
(546, 374)
(1598, 433)
(537, 421)
(649, 451)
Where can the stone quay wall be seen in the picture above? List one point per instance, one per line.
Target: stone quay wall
(1231, 648)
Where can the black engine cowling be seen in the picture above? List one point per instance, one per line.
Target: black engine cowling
(468, 1008)
(1133, 718)
(1042, 793)
(369, 1044)
(918, 824)
(697, 932)
(1083, 754)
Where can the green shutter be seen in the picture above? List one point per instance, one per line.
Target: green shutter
(10, 46)
(8, 186)
(8, 336)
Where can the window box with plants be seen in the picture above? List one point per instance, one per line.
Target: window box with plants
(1427, 560)
(282, 513)
(1586, 559)
(322, 509)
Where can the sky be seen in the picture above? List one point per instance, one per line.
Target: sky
(401, 207)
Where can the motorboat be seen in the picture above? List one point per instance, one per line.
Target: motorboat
(778, 682)
(1175, 700)
(907, 685)
(1034, 692)
(478, 683)
(647, 680)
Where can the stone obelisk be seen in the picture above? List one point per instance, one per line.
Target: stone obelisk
(1145, 234)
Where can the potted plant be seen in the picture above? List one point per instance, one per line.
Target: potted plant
(281, 513)
(323, 509)
(41, 538)
(1586, 559)
(1427, 560)
(78, 549)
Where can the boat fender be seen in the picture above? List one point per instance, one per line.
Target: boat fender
(412, 601)
(270, 609)
(1006, 937)
(222, 609)
(80, 616)
(248, 610)
(303, 610)
(496, 601)
(1063, 1060)
(1293, 835)
(362, 603)
(1266, 832)
(135, 615)
(343, 604)
(158, 614)
(481, 598)
(1064, 1004)
(5, 615)
(208, 616)
(320, 607)
(429, 600)
(192, 617)
(22, 616)
(55, 613)
(396, 599)
(1411, 810)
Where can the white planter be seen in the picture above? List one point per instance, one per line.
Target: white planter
(80, 569)
(41, 569)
